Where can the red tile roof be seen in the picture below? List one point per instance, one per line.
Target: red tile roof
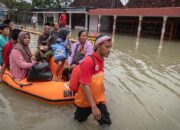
(130, 4)
(169, 11)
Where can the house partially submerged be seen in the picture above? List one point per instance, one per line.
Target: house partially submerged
(152, 18)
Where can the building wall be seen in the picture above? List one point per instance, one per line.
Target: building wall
(151, 27)
(78, 21)
(49, 17)
(106, 23)
(127, 25)
(93, 23)
(56, 17)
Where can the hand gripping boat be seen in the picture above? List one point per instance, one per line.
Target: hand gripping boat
(51, 91)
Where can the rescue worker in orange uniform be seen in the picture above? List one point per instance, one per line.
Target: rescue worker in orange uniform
(90, 97)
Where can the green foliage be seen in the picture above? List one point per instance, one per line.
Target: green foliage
(13, 5)
(42, 3)
(66, 3)
(50, 3)
(14, 8)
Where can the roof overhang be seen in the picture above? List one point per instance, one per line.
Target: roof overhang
(157, 12)
(74, 10)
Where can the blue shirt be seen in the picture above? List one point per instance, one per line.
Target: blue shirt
(3, 41)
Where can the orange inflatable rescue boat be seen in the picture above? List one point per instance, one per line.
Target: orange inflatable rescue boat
(51, 91)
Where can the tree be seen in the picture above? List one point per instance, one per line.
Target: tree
(16, 9)
(50, 3)
(66, 3)
(43, 3)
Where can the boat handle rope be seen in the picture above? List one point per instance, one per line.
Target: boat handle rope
(20, 85)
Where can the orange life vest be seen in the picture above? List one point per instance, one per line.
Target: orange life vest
(97, 89)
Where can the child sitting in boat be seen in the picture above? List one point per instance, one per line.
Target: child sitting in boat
(61, 49)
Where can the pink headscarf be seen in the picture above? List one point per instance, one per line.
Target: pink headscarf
(25, 50)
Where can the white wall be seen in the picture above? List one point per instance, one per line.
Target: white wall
(93, 23)
(56, 17)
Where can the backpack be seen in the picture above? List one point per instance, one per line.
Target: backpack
(74, 80)
(59, 51)
(39, 72)
(77, 56)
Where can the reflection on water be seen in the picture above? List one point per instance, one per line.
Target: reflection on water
(142, 90)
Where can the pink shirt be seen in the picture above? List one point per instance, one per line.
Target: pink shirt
(18, 67)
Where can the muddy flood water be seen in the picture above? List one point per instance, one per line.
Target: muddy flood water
(142, 90)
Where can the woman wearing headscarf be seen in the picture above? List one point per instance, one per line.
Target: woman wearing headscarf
(21, 57)
(63, 40)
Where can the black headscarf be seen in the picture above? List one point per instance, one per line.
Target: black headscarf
(63, 34)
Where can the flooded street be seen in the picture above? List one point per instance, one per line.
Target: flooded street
(143, 84)
(142, 90)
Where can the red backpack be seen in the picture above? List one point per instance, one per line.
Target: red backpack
(74, 80)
